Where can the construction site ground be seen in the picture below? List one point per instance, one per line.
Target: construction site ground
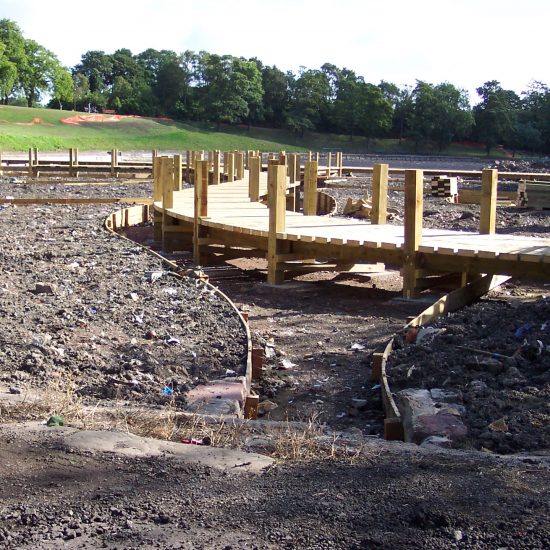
(338, 486)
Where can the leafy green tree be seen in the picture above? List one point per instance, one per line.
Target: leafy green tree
(229, 88)
(375, 111)
(8, 76)
(536, 114)
(308, 100)
(348, 102)
(402, 104)
(97, 66)
(62, 86)
(38, 72)
(276, 98)
(12, 57)
(81, 89)
(440, 114)
(496, 115)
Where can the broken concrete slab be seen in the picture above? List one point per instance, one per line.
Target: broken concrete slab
(130, 445)
(423, 417)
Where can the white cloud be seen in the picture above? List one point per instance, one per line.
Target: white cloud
(465, 42)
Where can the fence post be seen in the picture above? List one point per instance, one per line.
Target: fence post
(310, 188)
(276, 184)
(414, 196)
(329, 163)
(200, 207)
(216, 168)
(488, 213)
(230, 167)
(239, 161)
(254, 178)
(379, 194)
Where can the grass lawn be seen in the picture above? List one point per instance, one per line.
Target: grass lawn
(17, 133)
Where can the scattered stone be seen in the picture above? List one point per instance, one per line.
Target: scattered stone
(499, 425)
(43, 288)
(266, 406)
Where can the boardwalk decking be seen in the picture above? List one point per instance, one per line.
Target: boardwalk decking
(233, 220)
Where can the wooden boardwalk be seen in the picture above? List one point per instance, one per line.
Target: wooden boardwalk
(231, 219)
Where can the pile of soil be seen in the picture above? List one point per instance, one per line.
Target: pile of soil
(495, 355)
(84, 307)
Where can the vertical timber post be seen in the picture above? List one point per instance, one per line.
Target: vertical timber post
(157, 197)
(254, 179)
(200, 207)
(276, 185)
(310, 188)
(239, 168)
(178, 172)
(292, 168)
(167, 177)
(216, 168)
(31, 157)
(487, 217)
(414, 189)
(379, 194)
(329, 163)
(230, 167)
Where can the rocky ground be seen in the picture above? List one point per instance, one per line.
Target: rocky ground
(329, 488)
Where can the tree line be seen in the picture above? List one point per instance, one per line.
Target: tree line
(201, 86)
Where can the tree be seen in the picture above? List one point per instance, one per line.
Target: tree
(13, 55)
(496, 115)
(81, 89)
(8, 77)
(535, 113)
(440, 114)
(62, 86)
(276, 98)
(375, 111)
(348, 102)
(229, 88)
(309, 94)
(97, 66)
(37, 73)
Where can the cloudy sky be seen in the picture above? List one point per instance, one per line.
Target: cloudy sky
(465, 42)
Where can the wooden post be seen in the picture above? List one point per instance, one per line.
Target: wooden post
(210, 160)
(31, 161)
(178, 172)
(239, 161)
(251, 407)
(317, 158)
(158, 217)
(310, 188)
(157, 189)
(379, 194)
(340, 163)
(254, 179)
(488, 213)
(309, 155)
(230, 166)
(200, 206)
(166, 177)
(188, 166)
(114, 161)
(329, 163)
(276, 185)
(216, 168)
(292, 168)
(414, 195)
(297, 166)
(282, 158)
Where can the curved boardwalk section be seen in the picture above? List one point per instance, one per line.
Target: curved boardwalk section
(259, 211)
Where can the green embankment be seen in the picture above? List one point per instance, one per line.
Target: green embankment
(17, 133)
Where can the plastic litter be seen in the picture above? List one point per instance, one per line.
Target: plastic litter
(204, 441)
(167, 391)
(523, 330)
(55, 420)
(357, 347)
(153, 276)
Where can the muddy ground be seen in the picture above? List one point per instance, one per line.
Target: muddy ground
(379, 495)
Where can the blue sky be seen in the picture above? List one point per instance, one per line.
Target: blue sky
(465, 42)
